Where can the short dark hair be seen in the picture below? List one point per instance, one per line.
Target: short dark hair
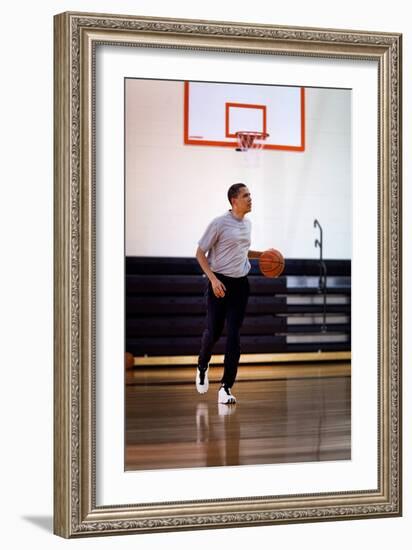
(234, 190)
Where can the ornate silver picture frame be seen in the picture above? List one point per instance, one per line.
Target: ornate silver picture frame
(77, 511)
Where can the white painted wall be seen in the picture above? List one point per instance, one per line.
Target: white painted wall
(173, 190)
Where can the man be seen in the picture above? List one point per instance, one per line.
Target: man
(227, 242)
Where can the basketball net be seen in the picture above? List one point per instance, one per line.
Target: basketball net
(251, 143)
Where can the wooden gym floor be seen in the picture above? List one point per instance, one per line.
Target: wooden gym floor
(285, 413)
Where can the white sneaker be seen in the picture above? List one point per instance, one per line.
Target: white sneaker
(202, 380)
(225, 396)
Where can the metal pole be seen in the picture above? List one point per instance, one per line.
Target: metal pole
(322, 272)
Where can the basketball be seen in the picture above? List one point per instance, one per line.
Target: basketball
(129, 360)
(271, 263)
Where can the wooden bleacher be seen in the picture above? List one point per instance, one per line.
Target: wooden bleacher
(165, 309)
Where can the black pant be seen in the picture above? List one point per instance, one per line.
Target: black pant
(231, 308)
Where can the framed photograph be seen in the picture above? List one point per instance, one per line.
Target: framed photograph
(227, 274)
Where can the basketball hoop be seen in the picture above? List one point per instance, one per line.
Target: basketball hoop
(250, 141)
(252, 144)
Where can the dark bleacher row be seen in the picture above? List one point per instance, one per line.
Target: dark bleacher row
(165, 308)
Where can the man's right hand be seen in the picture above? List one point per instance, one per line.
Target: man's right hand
(219, 288)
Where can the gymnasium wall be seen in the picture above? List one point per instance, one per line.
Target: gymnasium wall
(173, 190)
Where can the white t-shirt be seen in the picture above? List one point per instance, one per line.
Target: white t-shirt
(227, 242)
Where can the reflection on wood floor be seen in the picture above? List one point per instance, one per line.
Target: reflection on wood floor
(278, 418)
